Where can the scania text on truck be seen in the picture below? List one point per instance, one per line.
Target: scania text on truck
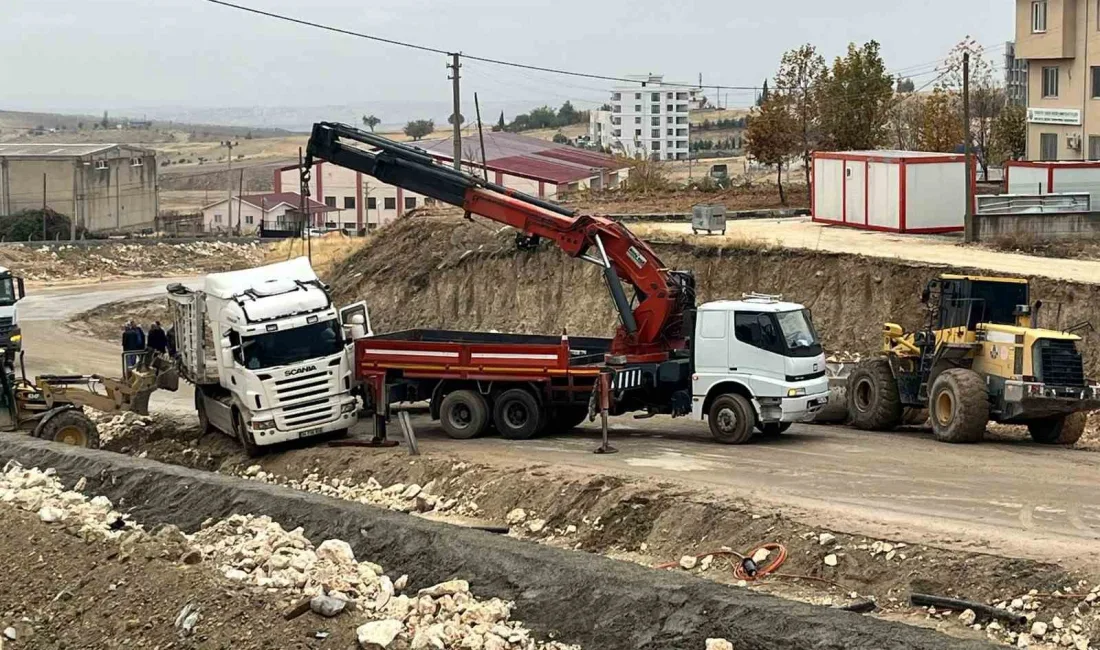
(267, 353)
(745, 365)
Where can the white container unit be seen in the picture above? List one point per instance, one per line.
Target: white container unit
(1050, 177)
(895, 191)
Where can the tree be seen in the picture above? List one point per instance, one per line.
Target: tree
(772, 137)
(370, 121)
(567, 114)
(763, 95)
(1009, 137)
(906, 85)
(987, 97)
(906, 121)
(499, 126)
(941, 129)
(800, 73)
(417, 129)
(451, 119)
(104, 123)
(605, 107)
(856, 97)
(559, 138)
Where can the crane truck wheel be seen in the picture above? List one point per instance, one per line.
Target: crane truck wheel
(464, 414)
(517, 415)
(959, 406)
(69, 426)
(731, 418)
(1060, 430)
(873, 400)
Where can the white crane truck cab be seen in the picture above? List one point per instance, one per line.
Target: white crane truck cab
(11, 292)
(268, 353)
(758, 365)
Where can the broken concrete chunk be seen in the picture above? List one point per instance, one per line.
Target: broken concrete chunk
(411, 492)
(327, 606)
(761, 556)
(831, 559)
(1038, 628)
(336, 550)
(401, 582)
(449, 588)
(536, 525)
(516, 516)
(378, 635)
(968, 617)
(825, 539)
(719, 644)
(50, 514)
(688, 562)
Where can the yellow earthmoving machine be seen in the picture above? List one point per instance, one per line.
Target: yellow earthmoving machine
(50, 406)
(981, 357)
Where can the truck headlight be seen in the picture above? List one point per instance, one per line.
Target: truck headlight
(796, 392)
(263, 424)
(349, 407)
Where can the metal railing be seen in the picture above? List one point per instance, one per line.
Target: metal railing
(1033, 203)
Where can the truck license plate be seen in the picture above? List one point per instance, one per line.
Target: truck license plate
(309, 432)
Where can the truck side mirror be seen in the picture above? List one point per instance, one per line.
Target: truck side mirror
(230, 352)
(20, 291)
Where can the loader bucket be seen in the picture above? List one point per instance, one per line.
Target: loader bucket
(836, 411)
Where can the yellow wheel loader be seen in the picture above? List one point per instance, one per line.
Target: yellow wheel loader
(982, 357)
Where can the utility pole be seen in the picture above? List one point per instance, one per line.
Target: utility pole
(456, 115)
(481, 136)
(229, 183)
(968, 222)
(44, 207)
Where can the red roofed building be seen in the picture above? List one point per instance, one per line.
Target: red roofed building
(523, 163)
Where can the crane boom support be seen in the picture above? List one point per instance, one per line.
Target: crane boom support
(660, 323)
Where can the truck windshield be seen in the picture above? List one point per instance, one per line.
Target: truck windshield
(7, 291)
(290, 346)
(798, 332)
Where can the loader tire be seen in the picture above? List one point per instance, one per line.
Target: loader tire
(959, 406)
(70, 427)
(1061, 430)
(464, 414)
(873, 400)
(731, 419)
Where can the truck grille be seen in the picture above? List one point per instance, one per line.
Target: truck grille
(308, 413)
(7, 324)
(1060, 363)
(302, 387)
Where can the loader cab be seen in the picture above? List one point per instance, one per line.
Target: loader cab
(961, 301)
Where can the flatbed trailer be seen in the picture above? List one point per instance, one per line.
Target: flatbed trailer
(521, 384)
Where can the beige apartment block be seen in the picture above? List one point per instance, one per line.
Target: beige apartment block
(1061, 41)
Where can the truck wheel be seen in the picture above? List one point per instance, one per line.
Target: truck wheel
(566, 419)
(959, 406)
(873, 400)
(731, 419)
(241, 431)
(1061, 430)
(773, 429)
(517, 414)
(70, 427)
(200, 408)
(463, 414)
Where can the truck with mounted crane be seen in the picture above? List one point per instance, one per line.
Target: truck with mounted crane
(753, 364)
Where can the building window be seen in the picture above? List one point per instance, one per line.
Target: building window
(655, 133)
(1048, 146)
(681, 132)
(372, 203)
(637, 108)
(681, 120)
(389, 203)
(616, 97)
(330, 201)
(681, 108)
(681, 96)
(637, 95)
(616, 109)
(669, 156)
(655, 97)
(670, 131)
(410, 202)
(670, 119)
(681, 144)
(136, 162)
(655, 121)
(637, 120)
(669, 107)
(637, 132)
(349, 202)
(669, 95)
(670, 145)
(615, 133)
(656, 108)
(656, 146)
(248, 219)
(1039, 16)
(1096, 82)
(217, 218)
(1094, 147)
(1050, 82)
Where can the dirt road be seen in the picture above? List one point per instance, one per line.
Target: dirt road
(1006, 497)
(801, 232)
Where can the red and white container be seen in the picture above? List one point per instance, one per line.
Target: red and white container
(894, 191)
(1050, 177)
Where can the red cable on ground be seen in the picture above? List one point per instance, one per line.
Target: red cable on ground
(776, 558)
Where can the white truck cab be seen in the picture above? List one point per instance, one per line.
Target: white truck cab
(281, 366)
(11, 292)
(758, 365)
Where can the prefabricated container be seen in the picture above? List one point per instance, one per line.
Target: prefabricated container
(711, 218)
(1050, 177)
(895, 191)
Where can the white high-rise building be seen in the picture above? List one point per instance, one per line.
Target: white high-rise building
(648, 118)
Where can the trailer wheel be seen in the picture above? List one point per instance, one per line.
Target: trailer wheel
(959, 406)
(69, 426)
(731, 419)
(463, 414)
(517, 414)
(1061, 430)
(773, 429)
(241, 431)
(200, 408)
(873, 400)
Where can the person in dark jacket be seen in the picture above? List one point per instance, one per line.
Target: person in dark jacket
(130, 340)
(158, 339)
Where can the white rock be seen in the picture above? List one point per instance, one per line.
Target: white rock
(570, 529)
(336, 550)
(890, 555)
(516, 516)
(1057, 622)
(1023, 641)
(826, 539)
(50, 514)
(1038, 628)
(761, 556)
(411, 492)
(401, 582)
(449, 588)
(10, 633)
(252, 470)
(327, 606)
(968, 617)
(688, 562)
(536, 525)
(80, 485)
(707, 561)
(378, 635)
(719, 644)
(236, 575)
(831, 560)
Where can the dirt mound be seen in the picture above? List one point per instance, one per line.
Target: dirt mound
(106, 321)
(442, 271)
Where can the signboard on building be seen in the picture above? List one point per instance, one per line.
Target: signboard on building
(1066, 116)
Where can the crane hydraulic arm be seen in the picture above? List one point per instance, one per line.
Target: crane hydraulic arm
(656, 328)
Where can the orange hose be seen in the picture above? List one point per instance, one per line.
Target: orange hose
(775, 561)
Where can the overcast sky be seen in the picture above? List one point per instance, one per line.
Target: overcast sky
(114, 54)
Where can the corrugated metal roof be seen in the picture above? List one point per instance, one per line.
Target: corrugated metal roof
(26, 150)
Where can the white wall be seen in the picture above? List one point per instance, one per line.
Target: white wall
(216, 218)
(883, 197)
(828, 189)
(936, 195)
(855, 196)
(1027, 180)
(1078, 179)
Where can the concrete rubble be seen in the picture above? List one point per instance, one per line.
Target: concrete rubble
(112, 259)
(118, 425)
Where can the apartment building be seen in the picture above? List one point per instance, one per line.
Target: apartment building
(1015, 76)
(1060, 39)
(649, 118)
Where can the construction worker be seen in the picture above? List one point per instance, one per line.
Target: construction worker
(157, 339)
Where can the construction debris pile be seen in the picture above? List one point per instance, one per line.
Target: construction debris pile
(96, 261)
(118, 425)
(258, 552)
